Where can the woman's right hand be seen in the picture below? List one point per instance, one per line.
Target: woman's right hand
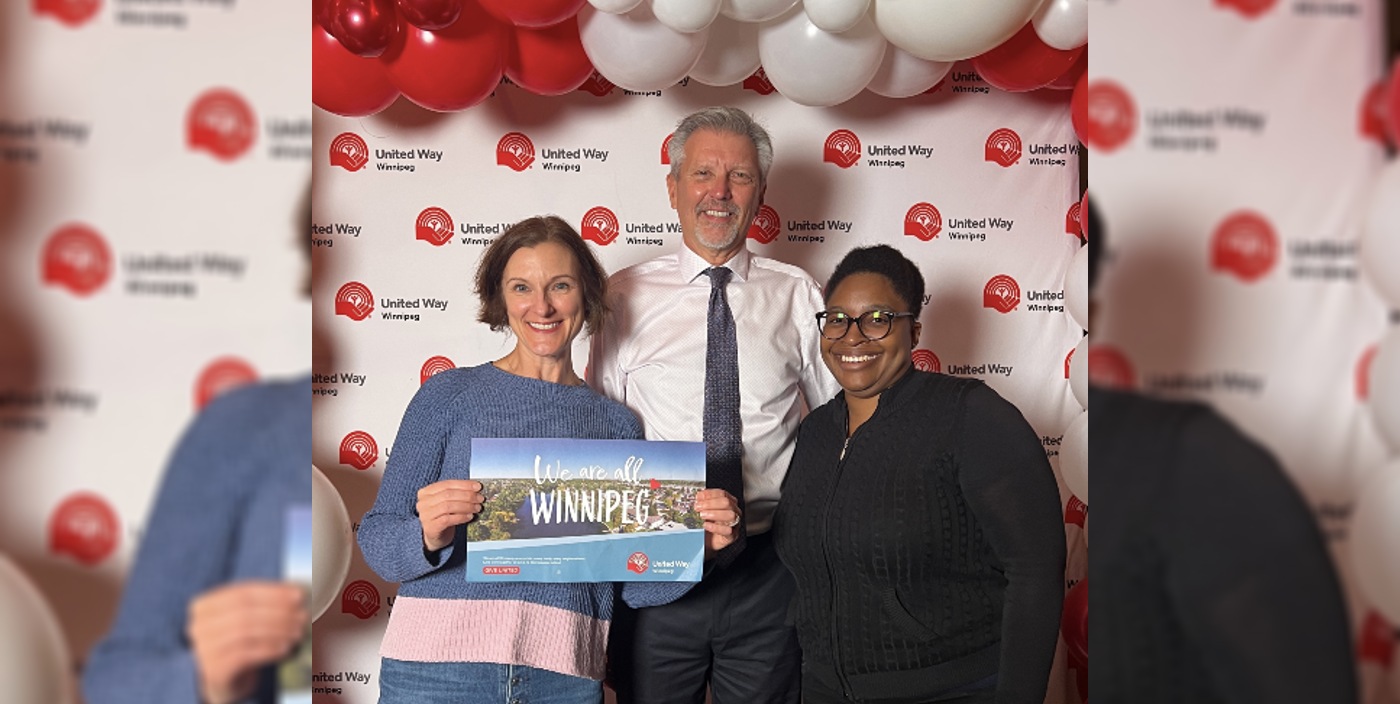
(444, 505)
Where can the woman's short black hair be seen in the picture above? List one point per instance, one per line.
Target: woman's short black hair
(887, 262)
(593, 280)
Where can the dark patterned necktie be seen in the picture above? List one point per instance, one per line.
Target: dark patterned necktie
(723, 431)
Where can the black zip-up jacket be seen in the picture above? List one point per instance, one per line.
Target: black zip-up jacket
(932, 555)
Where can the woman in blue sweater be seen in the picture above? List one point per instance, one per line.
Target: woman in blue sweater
(450, 640)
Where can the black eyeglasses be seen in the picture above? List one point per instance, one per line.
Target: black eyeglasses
(873, 324)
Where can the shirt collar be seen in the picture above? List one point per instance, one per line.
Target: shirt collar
(693, 265)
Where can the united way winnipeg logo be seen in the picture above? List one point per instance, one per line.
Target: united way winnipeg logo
(349, 151)
(359, 450)
(360, 599)
(766, 225)
(221, 376)
(515, 151)
(1244, 245)
(842, 148)
(354, 301)
(923, 221)
(597, 85)
(926, 361)
(600, 225)
(1112, 115)
(759, 83)
(1251, 9)
(638, 562)
(434, 226)
(1110, 368)
(434, 365)
(76, 258)
(666, 150)
(83, 527)
(1001, 293)
(1003, 147)
(1072, 220)
(73, 13)
(221, 122)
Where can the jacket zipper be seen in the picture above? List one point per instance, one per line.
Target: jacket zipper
(831, 573)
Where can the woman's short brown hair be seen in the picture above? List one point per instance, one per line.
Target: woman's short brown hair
(593, 280)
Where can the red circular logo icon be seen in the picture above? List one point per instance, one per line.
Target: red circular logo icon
(1363, 373)
(1110, 368)
(221, 376)
(75, 257)
(1372, 113)
(354, 301)
(1112, 115)
(434, 226)
(1377, 641)
(926, 361)
(1251, 9)
(1075, 511)
(759, 83)
(433, 366)
(359, 450)
(600, 225)
(1001, 293)
(1244, 245)
(516, 151)
(84, 527)
(73, 13)
(360, 599)
(597, 85)
(349, 151)
(666, 150)
(638, 562)
(1072, 220)
(221, 122)
(1003, 147)
(1068, 357)
(842, 148)
(923, 221)
(766, 225)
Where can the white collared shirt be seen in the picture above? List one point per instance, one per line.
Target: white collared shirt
(650, 356)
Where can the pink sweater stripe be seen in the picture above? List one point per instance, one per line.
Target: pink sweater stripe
(497, 631)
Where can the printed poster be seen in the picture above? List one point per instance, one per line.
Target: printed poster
(294, 673)
(567, 510)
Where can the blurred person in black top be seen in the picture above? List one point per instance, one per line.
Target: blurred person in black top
(920, 517)
(1212, 582)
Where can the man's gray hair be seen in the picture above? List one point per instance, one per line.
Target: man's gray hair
(721, 119)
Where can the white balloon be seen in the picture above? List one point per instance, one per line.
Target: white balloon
(1384, 391)
(902, 74)
(1079, 372)
(835, 15)
(1374, 540)
(817, 68)
(615, 7)
(1063, 24)
(685, 15)
(1380, 239)
(950, 30)
(331, 543)
(731, 53)
(755, 10)
(635, 51)
(1077, 287)
(35, 665)
(1074, 457)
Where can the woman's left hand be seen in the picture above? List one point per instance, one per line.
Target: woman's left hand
(720, 511)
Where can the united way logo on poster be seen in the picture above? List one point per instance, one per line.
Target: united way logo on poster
(565, 510)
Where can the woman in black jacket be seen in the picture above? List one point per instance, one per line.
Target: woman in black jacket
(919, 516)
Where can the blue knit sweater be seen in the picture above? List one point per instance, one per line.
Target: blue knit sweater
(434, 443)
(218, 518)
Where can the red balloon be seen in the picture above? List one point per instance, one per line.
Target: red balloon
(1068, 79)
(1024, 63)
(1074, 624)
(365, 27)
(430, 14)
(1392, 103)
(346, 84)
(451, 69)
(533, 13)
(1079, 108)
(548, 61)
(323, 11)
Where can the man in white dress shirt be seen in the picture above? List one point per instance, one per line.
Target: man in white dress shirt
(732, 630)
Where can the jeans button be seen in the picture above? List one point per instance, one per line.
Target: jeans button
(515, 682)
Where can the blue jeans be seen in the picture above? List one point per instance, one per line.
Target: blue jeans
(403, 682)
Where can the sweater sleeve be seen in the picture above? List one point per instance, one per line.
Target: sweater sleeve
(1010, 489)
(1250, 576)
(190, 542)
(390, 535)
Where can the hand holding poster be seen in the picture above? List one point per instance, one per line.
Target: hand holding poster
(565, 510)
